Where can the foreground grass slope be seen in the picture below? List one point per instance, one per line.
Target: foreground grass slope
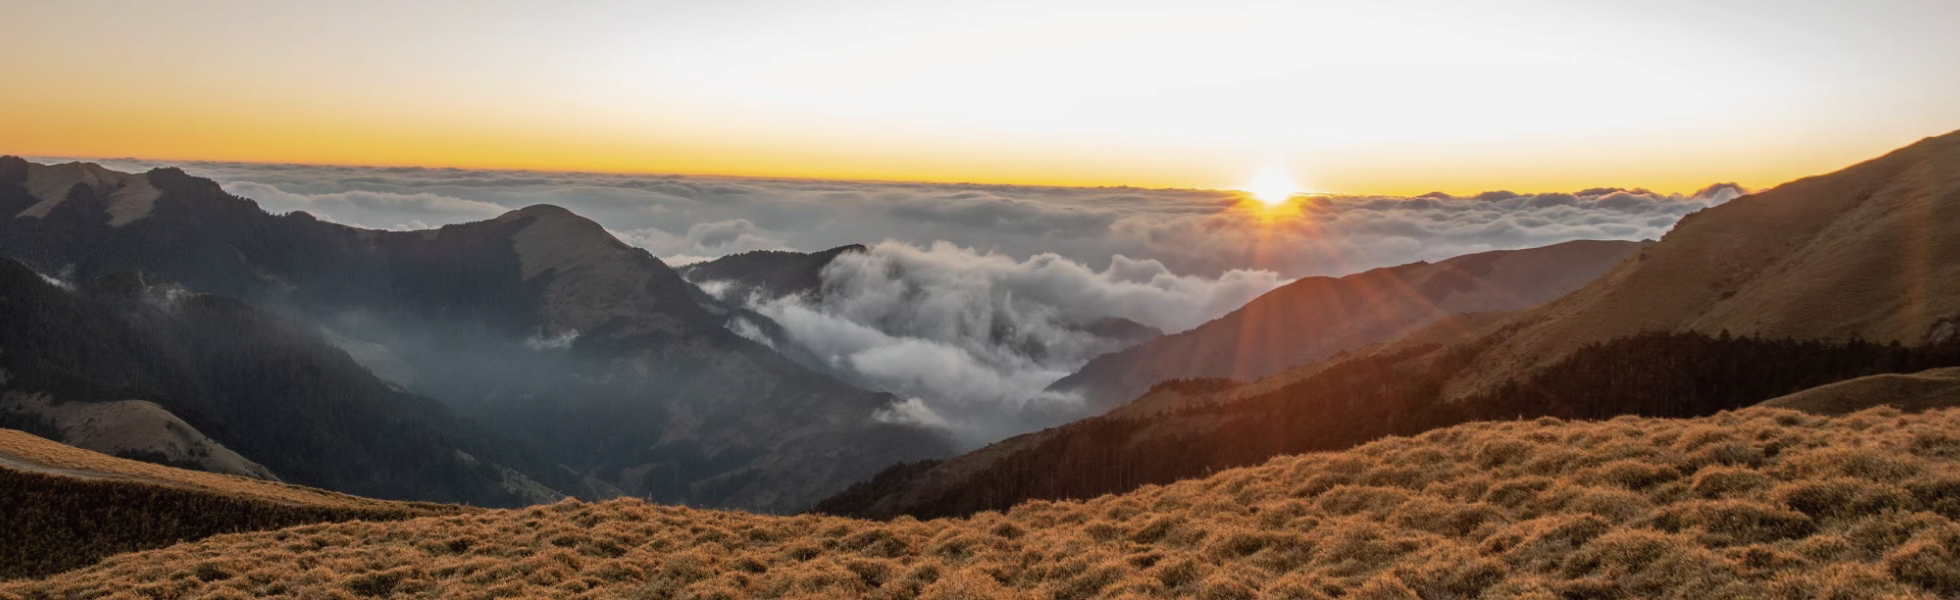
(1208, 426)
(1758, 503)
(66, 507)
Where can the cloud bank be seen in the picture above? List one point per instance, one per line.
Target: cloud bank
(970, 339)
(1192, 232)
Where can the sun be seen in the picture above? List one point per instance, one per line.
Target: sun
(1272, 187)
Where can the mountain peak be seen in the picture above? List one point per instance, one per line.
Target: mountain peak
(126, 197)
(557, 238)
(540, 211)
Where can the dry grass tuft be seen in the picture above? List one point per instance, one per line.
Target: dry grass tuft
(1761, 503)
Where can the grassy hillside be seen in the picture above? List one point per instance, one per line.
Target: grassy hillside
(1759, 503)
(1855, 253)
(1216, 425)
(1317, 317)
(67, 507)
(1934, 388)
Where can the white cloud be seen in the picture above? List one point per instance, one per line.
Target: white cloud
(703, 241)
(913, 412)
(974, 337)
(371, 209)
(546, 343)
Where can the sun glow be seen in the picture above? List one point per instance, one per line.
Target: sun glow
(1272, 187)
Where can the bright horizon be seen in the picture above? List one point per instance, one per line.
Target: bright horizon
(1394, 98)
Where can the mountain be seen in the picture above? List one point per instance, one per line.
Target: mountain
(126, 428)
(1926, 390)
(68, 507)
(1213, 425)
(538, 324)
(149, 371)
(1755, 504)
(772, 273)
(1317, 317)
(1856, 253)
(1662, 334)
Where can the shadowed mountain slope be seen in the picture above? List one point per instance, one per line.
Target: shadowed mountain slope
(257, 384)
(1216, 425)
(538, 323)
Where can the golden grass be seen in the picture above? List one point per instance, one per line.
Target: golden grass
(47, 453)
(1760, 503)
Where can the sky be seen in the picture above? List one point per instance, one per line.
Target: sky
(1395, 97)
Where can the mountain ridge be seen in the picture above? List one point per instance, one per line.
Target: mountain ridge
(538, 323)
(1831, 256)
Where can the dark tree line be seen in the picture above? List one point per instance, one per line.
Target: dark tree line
(1362, 399)
(53, 523)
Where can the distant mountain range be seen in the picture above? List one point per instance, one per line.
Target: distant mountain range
(1824, 279)
(532, 356)
(538, 324)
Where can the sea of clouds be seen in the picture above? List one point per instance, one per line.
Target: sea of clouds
(975, 297)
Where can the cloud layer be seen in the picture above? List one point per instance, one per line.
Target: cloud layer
(1193, 232)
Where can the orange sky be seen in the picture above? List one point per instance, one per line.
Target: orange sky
(1392, 98)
